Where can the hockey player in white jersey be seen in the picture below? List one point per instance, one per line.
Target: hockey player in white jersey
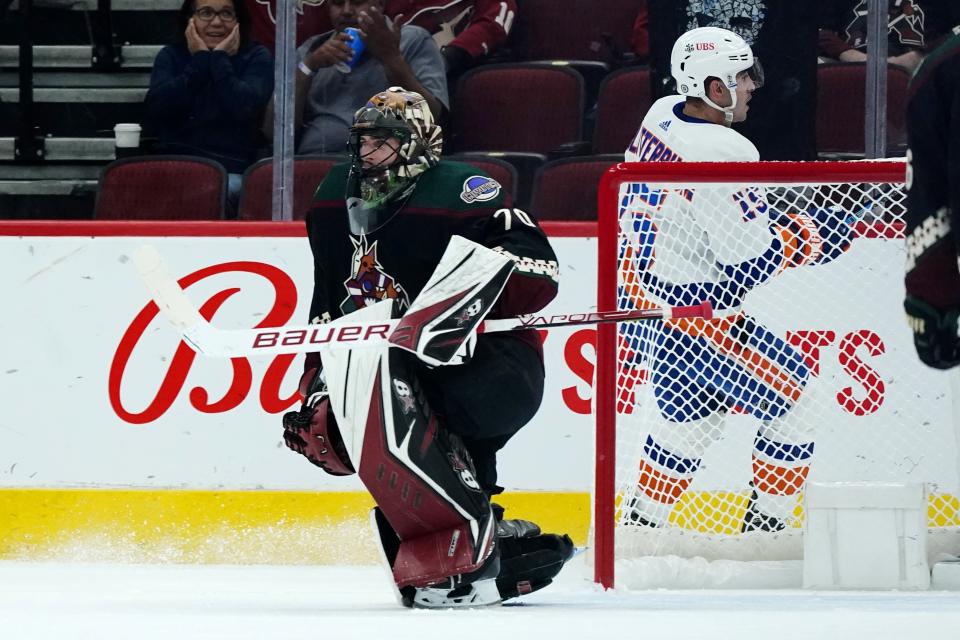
(684, 246)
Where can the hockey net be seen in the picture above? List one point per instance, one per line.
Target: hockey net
(859, 400)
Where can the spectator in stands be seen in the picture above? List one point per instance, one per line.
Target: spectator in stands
(913, 27)
(326, 99)
(467, 31)
(208, 91)
(783, 35)
(312, 18)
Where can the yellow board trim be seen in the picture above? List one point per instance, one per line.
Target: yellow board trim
(286, 527)
(723, 511)
(224, 527)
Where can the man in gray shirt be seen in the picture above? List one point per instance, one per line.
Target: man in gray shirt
(327, 99)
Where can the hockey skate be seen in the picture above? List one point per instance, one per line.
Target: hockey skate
(634, 516)
(475, 589)
(756, 520)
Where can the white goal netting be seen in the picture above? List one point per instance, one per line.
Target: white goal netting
(807, 374)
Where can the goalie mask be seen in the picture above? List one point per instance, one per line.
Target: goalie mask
(710, 52)
(393, 140)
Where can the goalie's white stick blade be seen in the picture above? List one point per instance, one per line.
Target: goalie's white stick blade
(457, 297)
(164, 289)
(176, 306)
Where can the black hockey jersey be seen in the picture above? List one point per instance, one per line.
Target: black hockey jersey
(396, 260)
(933, 196)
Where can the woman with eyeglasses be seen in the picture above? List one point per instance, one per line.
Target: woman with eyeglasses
(209, 89)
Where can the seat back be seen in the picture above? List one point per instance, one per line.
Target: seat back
(256, 196)
(161, 188)
(841, 107)
(566, 189)
(625, 97)
(574, 29)
(528, 107)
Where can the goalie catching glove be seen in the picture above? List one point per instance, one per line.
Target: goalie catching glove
(818, 237)
(529, 559)
(934, 333)
(312, 431)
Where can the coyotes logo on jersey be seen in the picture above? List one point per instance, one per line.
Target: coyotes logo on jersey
(369, 283)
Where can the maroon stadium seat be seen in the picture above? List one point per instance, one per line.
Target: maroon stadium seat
(574, 29)
(526, 107)
(625, 98)
(566, 189)
(161, 188)
(256, 196)
(841, 107)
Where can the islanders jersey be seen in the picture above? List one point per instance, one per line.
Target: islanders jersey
(715, 243)
(689, 245)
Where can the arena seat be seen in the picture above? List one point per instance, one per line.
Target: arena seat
(841, 109)
(575, 29)
(161, 188)
(528, 107)
(625, 97)
(256, 195)
(566, 189)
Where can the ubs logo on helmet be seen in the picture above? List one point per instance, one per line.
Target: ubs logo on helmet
(479, 189)
(700, 46)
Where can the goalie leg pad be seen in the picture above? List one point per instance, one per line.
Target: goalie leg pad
(423, 480)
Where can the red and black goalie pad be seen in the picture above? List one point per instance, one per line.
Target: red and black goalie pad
(423, 481)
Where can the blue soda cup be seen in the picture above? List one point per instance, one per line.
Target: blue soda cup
(356, 45)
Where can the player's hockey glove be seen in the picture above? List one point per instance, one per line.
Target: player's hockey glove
(934, 333)
(817, 237)
(529, 559)
(312, 431)
(836, 231)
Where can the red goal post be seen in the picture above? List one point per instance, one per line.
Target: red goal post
(876, 187)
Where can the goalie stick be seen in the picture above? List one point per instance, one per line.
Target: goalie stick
(207, 339)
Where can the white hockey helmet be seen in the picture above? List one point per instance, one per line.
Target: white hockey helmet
(711, 52)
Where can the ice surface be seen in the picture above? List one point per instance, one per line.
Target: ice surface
(67, 601)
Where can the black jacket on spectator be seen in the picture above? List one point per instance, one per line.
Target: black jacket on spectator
(210, 104)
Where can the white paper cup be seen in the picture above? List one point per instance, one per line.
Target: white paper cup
(127, 135)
